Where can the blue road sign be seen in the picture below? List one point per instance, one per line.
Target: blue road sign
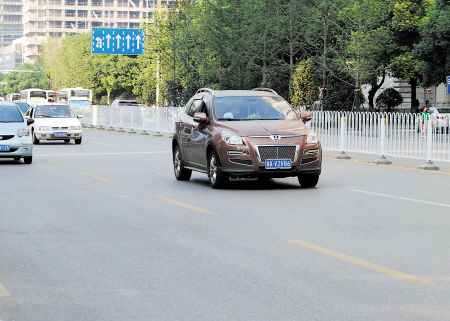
(448, 85)
(118, 41)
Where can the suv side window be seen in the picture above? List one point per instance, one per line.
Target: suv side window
(196, 107)
(188, 106)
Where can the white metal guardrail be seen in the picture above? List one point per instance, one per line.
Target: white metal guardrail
(155, 120)
(383, 134)
(386, 134)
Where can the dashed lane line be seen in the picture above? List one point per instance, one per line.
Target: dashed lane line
(192, 207)
(408, 199)
(101, 179)
(371, 266)
(3, 291)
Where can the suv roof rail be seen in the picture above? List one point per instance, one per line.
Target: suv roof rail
(265, 89)
(208, 90)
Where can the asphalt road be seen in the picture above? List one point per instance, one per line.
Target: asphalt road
(103, 231)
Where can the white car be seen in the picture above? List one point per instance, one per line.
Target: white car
(55, 122)
(441, 116)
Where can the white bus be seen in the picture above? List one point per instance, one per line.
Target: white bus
(12, 97)
(33, 96)
(76, 97)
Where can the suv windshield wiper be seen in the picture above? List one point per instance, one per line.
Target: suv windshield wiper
(10, 121)
(43, 116)
(230, 119)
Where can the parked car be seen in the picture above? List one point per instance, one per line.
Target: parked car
(23, 106)
(124, 103)
(244, 133)
(441, 117)
(55, 122)
(15, 139)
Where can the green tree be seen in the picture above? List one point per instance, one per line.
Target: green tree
(433, 48)
(304, 89)
(17, 81)
(408, 15)
(389, 99)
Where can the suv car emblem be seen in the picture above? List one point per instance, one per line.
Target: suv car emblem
(275, 137)
(1, 137)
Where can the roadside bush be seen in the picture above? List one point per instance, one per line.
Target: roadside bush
(389, 99)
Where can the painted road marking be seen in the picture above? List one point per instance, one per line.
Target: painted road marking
(372, 266)
(192, 207)
(401, 198)
(49, 161)
(445, 172)
(105, 154)
(101, 179)
(3, 291)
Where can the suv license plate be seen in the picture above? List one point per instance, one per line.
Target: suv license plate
(4, 148)
(60, 134)
(278, 163)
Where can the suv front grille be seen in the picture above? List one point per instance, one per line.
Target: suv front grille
(6, 137)
(277, 152)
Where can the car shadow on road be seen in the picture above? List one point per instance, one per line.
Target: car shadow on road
(4, 162)
(251, 184)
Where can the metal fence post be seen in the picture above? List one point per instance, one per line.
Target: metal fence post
(382, 160)
(342, 154)
(428, 164)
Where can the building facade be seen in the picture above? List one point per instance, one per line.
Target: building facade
(10, 21)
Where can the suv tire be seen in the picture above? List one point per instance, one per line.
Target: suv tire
(308, 181)
(28, 159)
(181, 173)
(216, 178)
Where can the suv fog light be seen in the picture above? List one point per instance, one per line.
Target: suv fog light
(238, 152)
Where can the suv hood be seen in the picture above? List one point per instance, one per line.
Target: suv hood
(265, 127)
(11, 128)
(56, 122)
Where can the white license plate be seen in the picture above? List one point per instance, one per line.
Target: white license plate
(4, 148)
(278, 163)
(60, 134)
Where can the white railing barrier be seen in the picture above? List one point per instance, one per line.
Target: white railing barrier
(428, 164)
(343, 131)
(382, 160)
(402, 134)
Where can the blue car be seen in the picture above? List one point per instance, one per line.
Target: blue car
(15, 138)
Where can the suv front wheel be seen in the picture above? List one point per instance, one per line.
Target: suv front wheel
(181, 173)
(308, 180)
(216, 178)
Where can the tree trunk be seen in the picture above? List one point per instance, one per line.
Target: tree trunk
(325, 40)
(373, 90)
(414, 105)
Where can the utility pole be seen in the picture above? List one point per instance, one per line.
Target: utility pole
(325, 40)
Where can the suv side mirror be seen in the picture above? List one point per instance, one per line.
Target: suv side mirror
(79, 116)
(30, 121)
(200, 118)
(306, 116)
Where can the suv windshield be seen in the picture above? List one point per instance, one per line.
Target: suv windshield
(253, 108)
(10, 114)
(53, 111)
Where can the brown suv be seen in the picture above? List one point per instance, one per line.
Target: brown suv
(244, 133)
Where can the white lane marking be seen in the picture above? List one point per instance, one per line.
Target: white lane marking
(102, 154)
(103, 144)
(401, 198)
(4, 291)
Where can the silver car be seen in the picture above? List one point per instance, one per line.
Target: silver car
(15, 138)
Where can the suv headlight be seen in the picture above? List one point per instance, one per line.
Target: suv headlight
(312, 138)
(231, 138)
(45, 128)
(75, 127)
(23, 132)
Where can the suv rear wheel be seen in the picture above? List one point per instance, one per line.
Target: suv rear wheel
(308, 180)
(216, 178)
(181, 173)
